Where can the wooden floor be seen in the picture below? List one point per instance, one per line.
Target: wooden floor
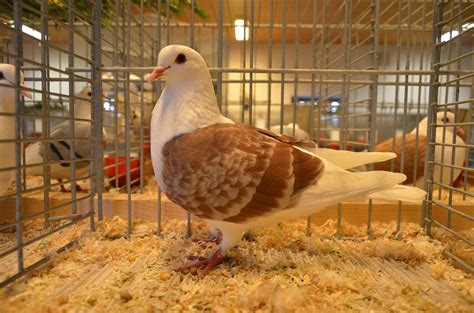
(144, 206)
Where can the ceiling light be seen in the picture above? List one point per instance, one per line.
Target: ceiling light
(29, 31)
(449, 35)
(454, 33)
(335, 103)
(241, 30)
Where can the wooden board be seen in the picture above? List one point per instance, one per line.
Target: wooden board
(145, 206)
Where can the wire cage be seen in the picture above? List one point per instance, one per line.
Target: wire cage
(346, 74)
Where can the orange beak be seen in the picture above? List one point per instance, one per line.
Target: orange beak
(461, 133)
(157, 72)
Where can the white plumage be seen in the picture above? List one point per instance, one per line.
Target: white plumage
(444, 154)
(59, 150)
(288, 130)
(7, 123)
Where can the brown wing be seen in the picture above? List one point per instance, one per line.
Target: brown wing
(410, 152)
(235, 172)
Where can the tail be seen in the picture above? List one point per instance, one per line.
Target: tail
(399, 193)
(348, 159)
(337, 185)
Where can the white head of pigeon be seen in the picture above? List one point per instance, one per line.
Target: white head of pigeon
(237, 176)
(82, 103)
(442, 118)
(445, 138)
(180, 64)
(8, 81)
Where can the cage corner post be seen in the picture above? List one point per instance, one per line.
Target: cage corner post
(18, 47)
(432, 105)
(97, 153)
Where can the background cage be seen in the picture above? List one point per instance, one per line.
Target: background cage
(348, 73)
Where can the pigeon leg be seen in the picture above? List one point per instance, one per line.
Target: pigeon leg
(217, 239)
(206, 264)
(62, 186)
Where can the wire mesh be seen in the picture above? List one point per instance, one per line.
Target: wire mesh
(346, 74)
(52, 130)
(450, 131)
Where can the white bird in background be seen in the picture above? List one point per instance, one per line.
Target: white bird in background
(146, 85)
(239, 177)
(135, 123)
(60, 150)
(7, 123)
(288, 130)
(442, 155)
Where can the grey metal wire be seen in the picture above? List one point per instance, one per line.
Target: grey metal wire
(349, 60)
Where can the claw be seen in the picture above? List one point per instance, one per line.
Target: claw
(206, 264)
(196, 257)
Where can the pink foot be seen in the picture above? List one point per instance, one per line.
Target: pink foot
(206, 264)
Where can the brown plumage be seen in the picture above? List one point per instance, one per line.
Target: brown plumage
(409, 162)
(235, 172)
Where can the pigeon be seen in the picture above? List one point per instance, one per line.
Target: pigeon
(135, 123)
(60, 150)
(288, 130)
(239, 177)
(7, 123)
(441, 174)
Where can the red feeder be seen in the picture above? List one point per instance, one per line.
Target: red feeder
(120, 180)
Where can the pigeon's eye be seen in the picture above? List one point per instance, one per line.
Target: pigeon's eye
(1, 75)
(181, 58)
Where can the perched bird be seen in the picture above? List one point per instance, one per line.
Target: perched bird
(146, 85)
(443, 155)
(7, 123)
(134, 121)
(239, 177)
(60, 150)
(288, 130)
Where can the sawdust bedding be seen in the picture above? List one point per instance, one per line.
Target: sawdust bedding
(276, 269)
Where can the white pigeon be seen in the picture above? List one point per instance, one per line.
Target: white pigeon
(60, 150)
(239, 177)
(146, 85)
(7, 123)
(441, 174)
(288, 130)
(135, 123)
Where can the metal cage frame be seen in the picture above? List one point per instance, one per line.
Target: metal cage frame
(123, 55)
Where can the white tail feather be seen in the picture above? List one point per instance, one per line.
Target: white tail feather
(348, 159)
(399, 193)
(337, 185)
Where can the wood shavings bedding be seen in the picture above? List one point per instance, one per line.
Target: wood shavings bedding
(276, 269)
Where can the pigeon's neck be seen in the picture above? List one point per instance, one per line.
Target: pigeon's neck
(181, 110)
(188, 106)
(82, 111)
